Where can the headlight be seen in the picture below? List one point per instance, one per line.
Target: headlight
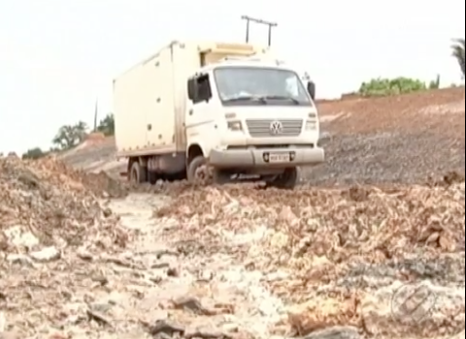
(235, 126)
(311, 125)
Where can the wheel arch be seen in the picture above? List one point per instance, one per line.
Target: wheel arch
(195, 149)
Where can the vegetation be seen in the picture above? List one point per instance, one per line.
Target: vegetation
(458, 53)
(107, 125)
(69, 136)
(34, 153)
(400, 85)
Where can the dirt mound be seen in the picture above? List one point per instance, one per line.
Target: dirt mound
(101, 184)
(95, 156)
(44, 203)
(399, 139)
(95, 136)
(92, 140)
(439, 111)
(337, 257)
(51, 227)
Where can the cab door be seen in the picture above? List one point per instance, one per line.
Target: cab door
(201, 117)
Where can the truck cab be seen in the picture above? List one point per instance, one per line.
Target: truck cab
(251, 116)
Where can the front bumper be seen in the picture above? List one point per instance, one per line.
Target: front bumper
(248, 158)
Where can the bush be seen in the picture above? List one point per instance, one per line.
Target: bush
(34, 153)
(401, 85)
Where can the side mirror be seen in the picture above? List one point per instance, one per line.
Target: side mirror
(311, 89)
(191, 88)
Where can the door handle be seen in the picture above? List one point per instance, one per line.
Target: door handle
(191, 112)
(149, 127)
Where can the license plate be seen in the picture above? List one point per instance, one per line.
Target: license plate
(279, 157)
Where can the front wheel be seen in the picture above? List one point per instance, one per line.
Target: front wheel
(197, 171)
(287, 180)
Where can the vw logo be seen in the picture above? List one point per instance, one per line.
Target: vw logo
(276, 127)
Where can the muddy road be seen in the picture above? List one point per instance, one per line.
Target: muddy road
(223, 268)
(155, 288)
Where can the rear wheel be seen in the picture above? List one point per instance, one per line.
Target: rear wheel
(137, 173)
(287, 180)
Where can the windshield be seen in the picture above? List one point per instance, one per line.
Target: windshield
(261, 85)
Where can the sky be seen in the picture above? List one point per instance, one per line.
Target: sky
(58, 56)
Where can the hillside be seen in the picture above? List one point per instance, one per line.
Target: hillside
(95, 155)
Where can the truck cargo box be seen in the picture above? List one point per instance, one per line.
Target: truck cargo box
(150, 98)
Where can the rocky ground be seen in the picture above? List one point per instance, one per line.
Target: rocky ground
(353, 253)
(230, 262)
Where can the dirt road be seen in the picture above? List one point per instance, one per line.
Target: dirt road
(232, 267)
(126, 294)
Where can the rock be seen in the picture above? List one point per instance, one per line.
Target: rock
(98, 317)
(107, 212)
(173, 272)
(47, 254)
(337, 332)
(2, 322)
(206, 334)
(29, 179)
(166, 327)
(19, 259)
(320, 313)
(419, 309)
(84, 254)
(18, 237)
(191, 304)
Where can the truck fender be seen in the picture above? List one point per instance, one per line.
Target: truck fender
(195, 149)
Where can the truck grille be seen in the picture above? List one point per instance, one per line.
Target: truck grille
(263, 127)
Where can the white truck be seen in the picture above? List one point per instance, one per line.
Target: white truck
(218, 110)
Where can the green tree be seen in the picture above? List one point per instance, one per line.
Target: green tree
(34, 153)
(107, 125)
(458, 53)
(69, 136)
(435, 84)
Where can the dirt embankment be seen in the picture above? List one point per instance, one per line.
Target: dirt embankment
(95, 155)
(399, 139)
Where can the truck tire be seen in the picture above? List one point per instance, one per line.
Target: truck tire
(193, 167)
(137, 174)
(287, 180)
